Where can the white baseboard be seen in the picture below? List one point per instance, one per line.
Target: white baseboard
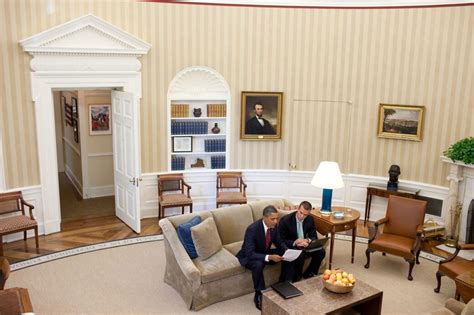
(99, 191)
(75, 182)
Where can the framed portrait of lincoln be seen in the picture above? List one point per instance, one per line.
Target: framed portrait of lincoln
(261, 115)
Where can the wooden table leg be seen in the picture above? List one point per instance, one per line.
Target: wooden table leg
(331, 248)
(354, 233)
(368, 201)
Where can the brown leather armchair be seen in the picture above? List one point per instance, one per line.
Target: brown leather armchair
(402, 231)
(171, 193)
(12, 203)
(226, 186)
(453, 266)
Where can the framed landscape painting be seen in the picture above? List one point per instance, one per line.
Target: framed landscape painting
(99, 120)
(261, 115)
(401, 122)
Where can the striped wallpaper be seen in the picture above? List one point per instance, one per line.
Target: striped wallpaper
(321, 59)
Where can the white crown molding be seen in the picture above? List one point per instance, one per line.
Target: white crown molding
(86, 35)
(335, 3)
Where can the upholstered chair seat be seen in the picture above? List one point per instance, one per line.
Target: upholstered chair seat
(171, 193)
(13, 218)
(402, 231)
(230, 188)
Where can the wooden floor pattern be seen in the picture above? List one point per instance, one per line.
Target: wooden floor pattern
(76, 233)
(86, 231)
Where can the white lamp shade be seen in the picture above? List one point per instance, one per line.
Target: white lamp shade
(328, 176)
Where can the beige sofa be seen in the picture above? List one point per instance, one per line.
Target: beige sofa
(220, 277)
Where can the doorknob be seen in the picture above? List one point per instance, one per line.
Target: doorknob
(132, 180)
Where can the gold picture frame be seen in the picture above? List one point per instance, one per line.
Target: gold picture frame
(401, 122)
(267, 125)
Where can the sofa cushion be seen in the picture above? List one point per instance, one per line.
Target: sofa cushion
(232, 222)
(258, 206)
(220, 265)
(184, 235)
(206, 238)
(234, 248)
(183, 218)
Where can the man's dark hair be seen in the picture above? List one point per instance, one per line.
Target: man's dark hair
(269, 210)
(306, 205)
(258, 103)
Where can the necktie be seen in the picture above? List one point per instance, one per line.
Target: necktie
(299, 229)
(267, 238)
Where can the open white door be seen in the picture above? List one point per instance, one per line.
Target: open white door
(126, 158)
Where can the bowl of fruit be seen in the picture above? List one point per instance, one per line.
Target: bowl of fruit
(338, 281)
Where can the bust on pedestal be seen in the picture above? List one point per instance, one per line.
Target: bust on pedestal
(394, 171)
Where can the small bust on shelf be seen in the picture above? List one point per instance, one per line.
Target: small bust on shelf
(199, 163)
(393, 173)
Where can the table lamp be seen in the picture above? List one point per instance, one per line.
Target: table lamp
(328, 177)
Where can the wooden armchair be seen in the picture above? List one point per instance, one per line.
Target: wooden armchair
(11, 203)
(453, 266)
(171, 193)
(402, 231)
(226, 185)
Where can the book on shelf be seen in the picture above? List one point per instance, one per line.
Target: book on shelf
(216, 110)
(179, 110)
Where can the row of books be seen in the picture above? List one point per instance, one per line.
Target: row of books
(179, 110)
(214, 145)
(189, 127)
(218, 161)
(177, 163)
(216, 110)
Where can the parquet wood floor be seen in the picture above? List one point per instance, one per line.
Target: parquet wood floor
(76, 233)
(87, 231)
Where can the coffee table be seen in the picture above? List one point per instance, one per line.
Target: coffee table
(316, 299)
(465, 285)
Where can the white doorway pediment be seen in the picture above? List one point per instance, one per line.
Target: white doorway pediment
(87, 35)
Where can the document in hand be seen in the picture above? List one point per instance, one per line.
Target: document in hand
(291, 254)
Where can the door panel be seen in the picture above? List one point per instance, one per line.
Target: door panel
(126, 159)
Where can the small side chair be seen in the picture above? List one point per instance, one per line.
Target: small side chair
(402, 231)
(13, 203)
(171, 193)
(226, 188)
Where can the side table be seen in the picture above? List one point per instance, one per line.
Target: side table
(374, 190)
(326, 224)
(15, 301)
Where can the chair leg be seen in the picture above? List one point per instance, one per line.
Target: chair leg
(412, 264)
(439, 274)
(24, 235)
(191, 208)
(36, 238)
(159, 212)
(367, 253)
(384, 254)
(182, 209)
(418, 257)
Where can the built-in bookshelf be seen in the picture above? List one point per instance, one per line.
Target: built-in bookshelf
(198, 120)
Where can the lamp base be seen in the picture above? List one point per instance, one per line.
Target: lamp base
(327, 198)
(325, 212)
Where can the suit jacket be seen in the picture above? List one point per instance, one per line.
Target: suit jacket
(289, 233)
(253, 127)
(254, 248)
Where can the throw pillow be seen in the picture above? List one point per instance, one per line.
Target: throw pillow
(206, 238)
(184, 235)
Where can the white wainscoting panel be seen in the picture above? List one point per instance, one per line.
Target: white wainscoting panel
(292, 185)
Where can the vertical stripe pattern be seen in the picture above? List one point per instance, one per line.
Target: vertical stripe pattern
(320, 58)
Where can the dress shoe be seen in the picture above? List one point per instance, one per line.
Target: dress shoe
(308, 275)
(258, 300)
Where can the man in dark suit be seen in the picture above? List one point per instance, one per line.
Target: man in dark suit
(258, 125)
(256, 252)
(297, 230)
